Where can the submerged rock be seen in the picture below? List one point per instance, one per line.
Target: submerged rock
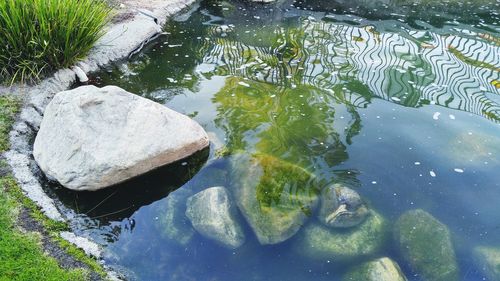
(213, 215)
(172, 221)
(341, 207)
(91, 138)
(320, 242)
(425, 243)
(275, 197)
(262, 1)
(488, 260)
(383, 269)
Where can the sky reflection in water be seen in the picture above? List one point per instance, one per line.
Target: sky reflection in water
(402, 106)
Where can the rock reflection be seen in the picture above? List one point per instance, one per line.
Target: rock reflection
(121, 201)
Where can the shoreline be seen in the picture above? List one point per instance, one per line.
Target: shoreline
(136, 23)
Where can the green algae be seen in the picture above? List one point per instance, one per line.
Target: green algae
(319, 242)
(274, 196)
(426, 245)
(383, 269)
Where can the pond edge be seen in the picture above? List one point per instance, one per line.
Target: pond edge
(142, 23)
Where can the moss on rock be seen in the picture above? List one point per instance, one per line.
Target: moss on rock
(172, 222)
(426, 245)
(488, 259)
(383, 269)
(320, 242)
(275, 196)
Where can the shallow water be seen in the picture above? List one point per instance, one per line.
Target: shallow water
(402, 105)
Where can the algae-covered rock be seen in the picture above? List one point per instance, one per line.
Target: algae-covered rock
(425, 243)
(172, 221)
(383, 269)
(320, 242)
(341, 207)
(228, 8)
(213, 215)
(488, 260)
(275, 196)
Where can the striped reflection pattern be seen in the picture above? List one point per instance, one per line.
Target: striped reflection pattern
(411, 68)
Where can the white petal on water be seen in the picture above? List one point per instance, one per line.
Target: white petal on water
(396, 99)
(452, 117)
(244, 84)
(417, 163)
(458, 170)
(432, 173)
(374, 182)
(436, 115)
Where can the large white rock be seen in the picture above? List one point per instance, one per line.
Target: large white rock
(91, 138)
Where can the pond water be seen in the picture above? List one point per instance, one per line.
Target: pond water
(400, 103)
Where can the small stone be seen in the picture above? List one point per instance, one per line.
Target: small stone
(80, 74)
(341, 207)
(383, 269)
(425, 243)
(213, 215)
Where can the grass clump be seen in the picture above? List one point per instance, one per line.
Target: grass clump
(39, 36)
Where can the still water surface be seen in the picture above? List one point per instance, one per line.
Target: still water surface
(401, 103)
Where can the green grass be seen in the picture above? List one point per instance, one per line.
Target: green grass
(9, 107)
(40, 36)
(21, 254)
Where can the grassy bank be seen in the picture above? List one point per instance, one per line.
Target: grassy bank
(22, 256)
(40, 36)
